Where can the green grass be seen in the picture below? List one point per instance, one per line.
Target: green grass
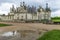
(2, 25)
(56, 20)
(51, 35)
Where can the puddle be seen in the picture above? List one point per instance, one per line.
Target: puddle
(9, 34)
(21, 34)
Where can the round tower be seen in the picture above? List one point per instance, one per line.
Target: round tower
(47, 15)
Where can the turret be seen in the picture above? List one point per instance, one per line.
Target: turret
(47, 8)
(46, 5)
(47, 12)
(33, 9)
(12, 9)
(21, 4)
(24, 5)
(40, 9)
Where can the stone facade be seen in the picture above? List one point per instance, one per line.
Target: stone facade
(21, 14)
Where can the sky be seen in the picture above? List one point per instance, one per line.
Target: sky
(53, 4)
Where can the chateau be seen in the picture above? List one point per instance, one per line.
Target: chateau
(26, 13)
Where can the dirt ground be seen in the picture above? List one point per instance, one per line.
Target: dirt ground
(28, 26)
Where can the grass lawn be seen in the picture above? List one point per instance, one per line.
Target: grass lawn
(2, 25)
(51, 35)
(56, 20)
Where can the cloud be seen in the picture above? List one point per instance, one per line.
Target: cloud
(4, 7)
(53, 4)
(3, 12)
(56, 13)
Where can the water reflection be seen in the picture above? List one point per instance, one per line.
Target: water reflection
(21, 35)
(9, 33)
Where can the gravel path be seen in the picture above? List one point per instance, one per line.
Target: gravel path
(27, 26)
(38, 27)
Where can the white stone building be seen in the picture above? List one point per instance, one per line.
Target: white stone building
(21, 14)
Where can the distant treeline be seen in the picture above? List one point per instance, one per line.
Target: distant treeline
(55, 18)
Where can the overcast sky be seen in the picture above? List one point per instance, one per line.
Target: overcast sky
(53, 4)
